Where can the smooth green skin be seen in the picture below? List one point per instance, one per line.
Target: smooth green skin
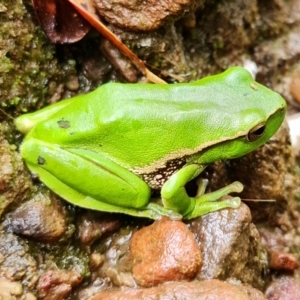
(106, 149)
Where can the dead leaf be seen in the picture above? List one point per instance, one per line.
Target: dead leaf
(60, 21)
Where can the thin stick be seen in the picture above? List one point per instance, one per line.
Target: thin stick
(259, 200)
(94, 21)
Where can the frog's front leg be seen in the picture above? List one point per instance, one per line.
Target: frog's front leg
(175, 197)
(88, 179)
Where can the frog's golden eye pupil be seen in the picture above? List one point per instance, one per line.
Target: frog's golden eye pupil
(256, 132)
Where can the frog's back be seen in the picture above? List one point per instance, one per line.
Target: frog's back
(136, 124)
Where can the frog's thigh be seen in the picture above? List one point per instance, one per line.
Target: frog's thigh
(85, 173)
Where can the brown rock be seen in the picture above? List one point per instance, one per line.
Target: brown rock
(40, 220)
(280, 242)
(283, 261)
(230, 245)
(196, 290)
(93, 225)
(57, 284)
(164, 251)
(142, 15)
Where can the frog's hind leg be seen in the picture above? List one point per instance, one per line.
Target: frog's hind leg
(89, 180)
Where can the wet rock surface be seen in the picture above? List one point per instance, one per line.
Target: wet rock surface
(42, 219)
(57, 284)
(91, 226)
(208, 290)
(115, 262)
(18, 268)
(164, 251)
(230, 245)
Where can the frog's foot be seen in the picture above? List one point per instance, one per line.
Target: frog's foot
(157, 211)
(175, 197)
(205, 203)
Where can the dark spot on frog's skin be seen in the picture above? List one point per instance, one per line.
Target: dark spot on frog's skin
(72, 133)
(246, 94)
(41, 160)
(156, 179)
(63, 124)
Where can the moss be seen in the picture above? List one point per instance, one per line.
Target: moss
(27, 59)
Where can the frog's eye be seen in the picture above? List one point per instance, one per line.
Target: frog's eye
(256, 132)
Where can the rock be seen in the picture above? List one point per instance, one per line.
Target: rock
(98, 285)
(196, 290)
(57, 284)
(16, 262)
(9, 290)
(283, 288)
(39, 219)
(142, 16)
(96, 259)
(230, 245)
(12, 290)
(164, 251)
(93, 225)
(15, 181)
(117, 261)
(283, 261)
(30, 296)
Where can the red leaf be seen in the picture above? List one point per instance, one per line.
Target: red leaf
(60, 21)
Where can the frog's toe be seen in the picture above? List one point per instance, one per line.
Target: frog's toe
(160, 211)
(207, 207)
